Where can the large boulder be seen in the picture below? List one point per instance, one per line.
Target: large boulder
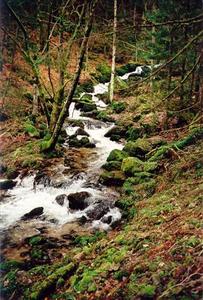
(139, 148)
(113, 178)
(7, 184)
(78, 201)
(98, 210)
(34, 213)
(133, 166)
(117, 155)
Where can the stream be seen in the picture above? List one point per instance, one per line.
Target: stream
(23, 197)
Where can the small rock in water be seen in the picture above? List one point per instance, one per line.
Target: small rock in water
(77, 200)
(61, 198)
(7, 184)
(106, 219)
(42, 178)
(3, 168)
(81, 131)
(34, 213)
(82, 220)
(98, 211)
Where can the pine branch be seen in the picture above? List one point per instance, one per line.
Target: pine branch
(170, 60)
(182, 81)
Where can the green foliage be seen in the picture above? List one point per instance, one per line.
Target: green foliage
(127, 207)
(31, 129)
(40, 288)
(11, 284)
(134, 133)
(103, 73)
(86, 240)
(118, 107)
(104, 116)
(10, 265)
(36, 240)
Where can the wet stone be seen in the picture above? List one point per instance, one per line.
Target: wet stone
(98, 211)
(60, 199)
(43, 179)
(77, 201)
(7, 184)
(34, 213)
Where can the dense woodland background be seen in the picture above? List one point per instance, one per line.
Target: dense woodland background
(51, 52)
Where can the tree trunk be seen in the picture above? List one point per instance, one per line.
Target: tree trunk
(35, 100)
(111, 86)
(50, 145)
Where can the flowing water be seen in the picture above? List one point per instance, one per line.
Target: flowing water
(23, 198)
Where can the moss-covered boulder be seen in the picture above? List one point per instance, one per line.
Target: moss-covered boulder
(115, 178)
(85, 103)
(116, 130)
(112, 165)
(117, 155)
(131, 165)
(139, 148)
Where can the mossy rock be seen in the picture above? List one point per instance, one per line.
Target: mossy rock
(112, 165)
(117, 155)
(138, 148)
(131, 165)
(116, 130)
(83, 142)
(113, 178)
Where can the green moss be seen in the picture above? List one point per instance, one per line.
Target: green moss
(104, 116)
(134, 133)
(116, 178)
(118, 107)
(112, 165)
(40, 289)
(131, 165)
(138, 148)
(117, 155)
(10, 265)
(35, 240)
(85, 240)
(147, 290)
(31, 129)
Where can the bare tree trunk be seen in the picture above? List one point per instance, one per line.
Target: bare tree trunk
(50, 145)
(35, 100)
(111, 86)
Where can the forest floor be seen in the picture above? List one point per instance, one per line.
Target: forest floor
(154, 252)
